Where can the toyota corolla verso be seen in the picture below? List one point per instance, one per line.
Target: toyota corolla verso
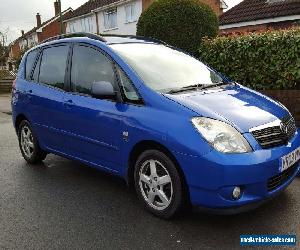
(173, 127)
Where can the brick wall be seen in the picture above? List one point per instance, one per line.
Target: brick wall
(214, 4)
(289, 98)
(259, 28)
(15, 50)
(52, 29)
(242, 30)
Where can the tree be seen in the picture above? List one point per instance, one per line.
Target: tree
(181, 23)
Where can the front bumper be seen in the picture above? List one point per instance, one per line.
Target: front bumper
(211, 178)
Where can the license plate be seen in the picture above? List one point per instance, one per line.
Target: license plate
(290, 159)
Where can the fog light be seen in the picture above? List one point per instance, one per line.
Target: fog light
(236, 193)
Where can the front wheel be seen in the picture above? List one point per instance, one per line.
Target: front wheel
(158, 184)
(29, 145)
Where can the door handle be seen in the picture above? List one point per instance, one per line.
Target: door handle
(29, 93)
(69, 103)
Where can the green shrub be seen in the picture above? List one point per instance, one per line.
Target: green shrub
(268, 60)
(181, 23)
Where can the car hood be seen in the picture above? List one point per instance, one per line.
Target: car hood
(237, 105)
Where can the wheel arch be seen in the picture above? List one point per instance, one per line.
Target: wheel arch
(19, 119)
(141, 147)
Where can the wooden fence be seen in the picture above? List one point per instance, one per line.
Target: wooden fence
(6, 83)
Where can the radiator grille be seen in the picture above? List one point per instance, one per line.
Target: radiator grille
(278, 135)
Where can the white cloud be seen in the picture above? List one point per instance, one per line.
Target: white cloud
(232, 3)
(20, 15)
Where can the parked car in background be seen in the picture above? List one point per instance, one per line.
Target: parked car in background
(171, 126)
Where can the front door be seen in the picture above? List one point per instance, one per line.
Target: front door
(93, 126)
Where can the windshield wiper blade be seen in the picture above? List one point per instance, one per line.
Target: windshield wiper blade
(208, 86)
(186, 88)
(199, 86)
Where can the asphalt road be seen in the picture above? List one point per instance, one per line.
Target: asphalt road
(62, 204)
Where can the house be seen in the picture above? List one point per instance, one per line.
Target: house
(39, 33)
(260, 15)
(116, 16)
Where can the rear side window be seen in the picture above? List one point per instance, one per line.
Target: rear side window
(30, 60)
(89, 66)
(53, 66)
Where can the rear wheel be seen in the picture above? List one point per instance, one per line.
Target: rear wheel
(29, 145)
(158, 184)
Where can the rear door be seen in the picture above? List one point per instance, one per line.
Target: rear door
(46, 94)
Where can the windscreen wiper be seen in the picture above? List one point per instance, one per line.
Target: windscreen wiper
(186, 88)
(199, 86)
(208, 86)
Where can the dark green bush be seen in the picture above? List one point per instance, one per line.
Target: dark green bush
(268, 60)
(181, 23)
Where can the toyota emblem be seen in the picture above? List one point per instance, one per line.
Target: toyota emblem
(284, 128)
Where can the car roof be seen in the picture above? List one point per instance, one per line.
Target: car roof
(89, 37)
(106, 39)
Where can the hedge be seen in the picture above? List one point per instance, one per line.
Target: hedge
(261, 61)
(180, 23)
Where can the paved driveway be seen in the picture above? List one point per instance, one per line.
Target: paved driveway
(5, 103)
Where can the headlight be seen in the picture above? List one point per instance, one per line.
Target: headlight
(221, 135)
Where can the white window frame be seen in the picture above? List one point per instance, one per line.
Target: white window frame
(110, 19)
(131, 13)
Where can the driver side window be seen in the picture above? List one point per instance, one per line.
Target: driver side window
(89, 66)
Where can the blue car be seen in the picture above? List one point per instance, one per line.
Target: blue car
(172, 127)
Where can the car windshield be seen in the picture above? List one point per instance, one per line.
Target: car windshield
(164, 69)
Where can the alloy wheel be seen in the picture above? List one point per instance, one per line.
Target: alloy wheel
(27, 143)
(155, 184)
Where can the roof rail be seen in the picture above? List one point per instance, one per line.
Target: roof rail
(78, 34)
(138, 38)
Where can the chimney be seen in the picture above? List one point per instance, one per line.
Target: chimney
(22, 31)
(56, 8)
(38, 20)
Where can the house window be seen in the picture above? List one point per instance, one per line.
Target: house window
(110, 19)
(130, 11)
(86, 24)
(72, 27)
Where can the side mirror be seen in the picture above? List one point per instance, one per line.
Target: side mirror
(103, 90)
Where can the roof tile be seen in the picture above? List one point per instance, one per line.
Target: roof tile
(88, 7)
(251, 10)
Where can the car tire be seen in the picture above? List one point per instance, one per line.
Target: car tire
(158, 184)
(29, 145)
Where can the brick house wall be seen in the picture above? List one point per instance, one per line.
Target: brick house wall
(15, 50)
(215, 5)
(52, 29)
(258, 28)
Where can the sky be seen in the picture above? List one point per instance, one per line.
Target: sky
(17, 15)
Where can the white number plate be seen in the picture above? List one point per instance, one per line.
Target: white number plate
(289, 160)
